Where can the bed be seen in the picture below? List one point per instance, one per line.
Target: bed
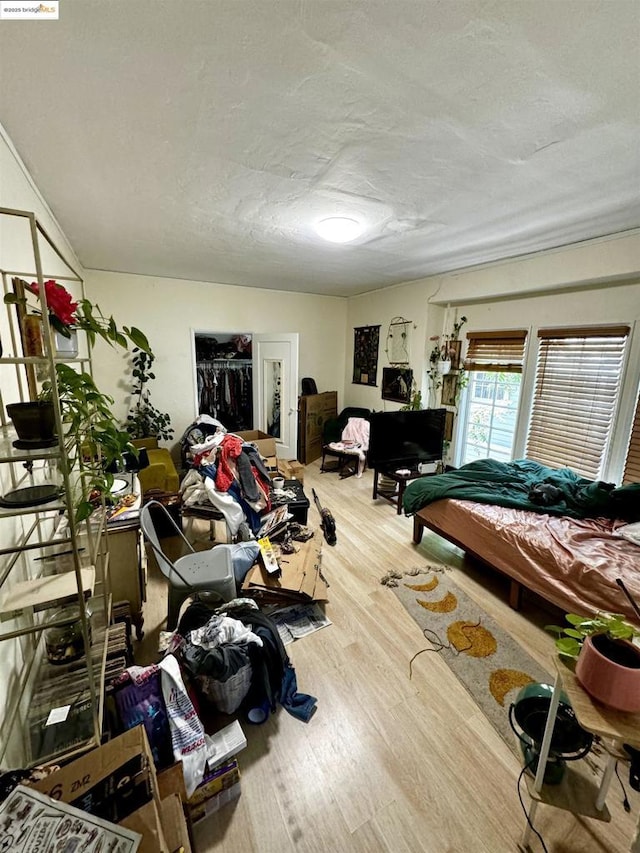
(559, 551)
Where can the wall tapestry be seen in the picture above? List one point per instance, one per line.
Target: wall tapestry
(365, 355)
(396, 384)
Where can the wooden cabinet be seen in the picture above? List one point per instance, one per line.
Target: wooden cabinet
(127, 573)
(313, 412)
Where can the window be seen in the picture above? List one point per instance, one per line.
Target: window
(494, 362)
(576, 393)
(632, 465)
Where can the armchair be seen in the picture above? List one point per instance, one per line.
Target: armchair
(347, 439)
(160, 473)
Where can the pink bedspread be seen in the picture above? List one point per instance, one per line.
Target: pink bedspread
(570, 562)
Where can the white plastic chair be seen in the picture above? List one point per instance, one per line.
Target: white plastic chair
(208, 571)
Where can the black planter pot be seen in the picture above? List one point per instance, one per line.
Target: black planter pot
(34, 422)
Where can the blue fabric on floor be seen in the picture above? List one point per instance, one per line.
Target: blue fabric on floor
(299, 705)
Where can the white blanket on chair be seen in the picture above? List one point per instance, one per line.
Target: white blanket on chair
(355, 441)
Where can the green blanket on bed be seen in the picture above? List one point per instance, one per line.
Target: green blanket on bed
(525, 485)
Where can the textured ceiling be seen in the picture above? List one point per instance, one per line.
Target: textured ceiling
(201, 139)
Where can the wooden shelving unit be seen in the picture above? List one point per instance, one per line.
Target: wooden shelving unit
(47, 558)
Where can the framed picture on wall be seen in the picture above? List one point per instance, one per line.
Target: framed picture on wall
(455, 348)
(449, 389)
(396, 384)
(448, 426)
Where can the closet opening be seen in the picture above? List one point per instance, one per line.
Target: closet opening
(224, 378)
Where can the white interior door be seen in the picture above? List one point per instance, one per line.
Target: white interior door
(275, 389)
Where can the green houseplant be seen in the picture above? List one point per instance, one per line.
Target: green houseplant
(607, 661)
(143, 419)
(570, 638)
(92, 435)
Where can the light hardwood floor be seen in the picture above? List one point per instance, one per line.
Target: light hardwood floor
(387, 763)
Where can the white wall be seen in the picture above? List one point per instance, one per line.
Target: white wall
(564, 287)
(168, 310)
(410, 301)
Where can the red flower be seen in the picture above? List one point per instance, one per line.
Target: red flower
(61, 306)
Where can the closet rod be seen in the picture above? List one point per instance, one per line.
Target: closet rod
(227, 362)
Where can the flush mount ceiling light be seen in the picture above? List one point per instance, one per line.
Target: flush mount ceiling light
(339, 229)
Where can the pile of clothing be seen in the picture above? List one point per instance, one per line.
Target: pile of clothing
(238, 660)
(225, 471)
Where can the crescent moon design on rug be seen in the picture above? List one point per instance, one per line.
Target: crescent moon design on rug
(472, 639)
(445, 605)
(423, 587)
(503, 681)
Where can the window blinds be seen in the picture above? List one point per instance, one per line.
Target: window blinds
(497, 352)
(576, 390)
(632, 465)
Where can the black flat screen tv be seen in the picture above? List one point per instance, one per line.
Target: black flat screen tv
(404, 439)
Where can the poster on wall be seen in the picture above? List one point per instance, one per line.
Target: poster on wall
(396, 384)
(365, 355)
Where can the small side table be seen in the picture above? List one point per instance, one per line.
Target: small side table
(298, 505)
(394, 497)
(615, 726)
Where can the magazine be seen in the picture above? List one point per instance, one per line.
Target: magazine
(31, 822)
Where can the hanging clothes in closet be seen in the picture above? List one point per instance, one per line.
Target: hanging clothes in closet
(225, 392)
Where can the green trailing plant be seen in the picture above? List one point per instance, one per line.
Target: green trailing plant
(569, 639)
(92, 436)
(144, 419)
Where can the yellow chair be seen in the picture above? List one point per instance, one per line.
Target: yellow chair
(161, 472)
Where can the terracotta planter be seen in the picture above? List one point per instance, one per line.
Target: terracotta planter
(34, 422)
(609, 670)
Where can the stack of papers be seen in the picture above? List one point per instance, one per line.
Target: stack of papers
(299, 621)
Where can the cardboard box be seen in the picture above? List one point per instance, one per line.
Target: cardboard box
(223, 776)
(291, 469)
(146, 822)
(174, 824)
(207, 796)
(265, 443)
(217, 802)
(171, 781)
(297, 470)
(300, 579)
(111, 781)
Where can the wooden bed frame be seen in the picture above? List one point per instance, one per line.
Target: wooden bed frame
(419, 524)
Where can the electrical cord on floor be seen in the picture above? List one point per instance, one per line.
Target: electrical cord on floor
(625, 802)
(439, 645)
(524, 808)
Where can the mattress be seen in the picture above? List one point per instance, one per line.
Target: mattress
(571, 562)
